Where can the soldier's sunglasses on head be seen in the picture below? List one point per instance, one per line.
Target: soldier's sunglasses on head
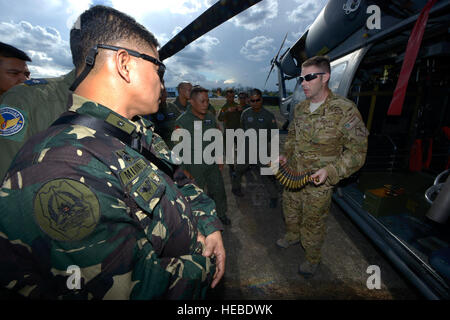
(161, 66)
(309, 77)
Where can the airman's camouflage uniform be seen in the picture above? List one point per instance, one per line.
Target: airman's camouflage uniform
(76, 196)
(332, 137)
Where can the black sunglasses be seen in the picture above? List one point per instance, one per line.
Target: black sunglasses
(257, 100)
(310, 76)
(161, 66)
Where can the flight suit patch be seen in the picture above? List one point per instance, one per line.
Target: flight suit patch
(12, 122)
(66, 210)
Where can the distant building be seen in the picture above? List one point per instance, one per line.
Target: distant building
(172, 92)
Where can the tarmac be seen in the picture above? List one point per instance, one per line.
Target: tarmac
(257, 269)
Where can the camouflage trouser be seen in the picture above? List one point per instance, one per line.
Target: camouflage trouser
(210, 178)
(305, 214)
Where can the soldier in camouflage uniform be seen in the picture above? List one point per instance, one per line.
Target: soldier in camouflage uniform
(205, 175)
(327, 137)
(104, 195)
(257, 118)
(164, 119)
(39, 102)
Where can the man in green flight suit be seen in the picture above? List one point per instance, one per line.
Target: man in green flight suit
(206, 175)
(257, 118)
(164, 119)
(327, 137)
(97, 191)
(243, 100)
(38, 102)
(230, 114)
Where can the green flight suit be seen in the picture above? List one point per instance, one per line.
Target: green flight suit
(231, 120)
(75, 196)
(333, 137)
(206, 175)
(37, 103)
(164, 121)
(263, 119)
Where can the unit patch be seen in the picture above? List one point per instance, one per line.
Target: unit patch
(66, 210)
(12, 121)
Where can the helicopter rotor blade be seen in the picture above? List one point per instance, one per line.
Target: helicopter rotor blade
(217, 14)
(274, 60)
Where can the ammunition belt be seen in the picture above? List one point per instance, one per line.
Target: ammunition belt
(292, 180)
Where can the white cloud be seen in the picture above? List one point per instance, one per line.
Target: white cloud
(258, 15)
(186, 64)
(50, 53)
(258, 48)
(139, 8)
(305, 14)
(229, 81)
(176, 30)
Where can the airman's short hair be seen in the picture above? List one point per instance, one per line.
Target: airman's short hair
(8, 51)
(196, 90)
(105, 25)
(322, 62)
(255, 92)
(182, 83)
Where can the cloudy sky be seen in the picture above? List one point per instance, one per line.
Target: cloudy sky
(237, 53)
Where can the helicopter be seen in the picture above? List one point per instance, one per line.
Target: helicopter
(401, 197)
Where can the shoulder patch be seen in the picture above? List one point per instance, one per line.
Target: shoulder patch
(353, 121)
(66, 210)
(35, 82)
(12, 121)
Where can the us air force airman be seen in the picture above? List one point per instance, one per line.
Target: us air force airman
(257, 118)
(206, 175)
(327, 137)
(98, 190)
(32, 106)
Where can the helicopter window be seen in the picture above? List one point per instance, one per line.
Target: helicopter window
(337, 73)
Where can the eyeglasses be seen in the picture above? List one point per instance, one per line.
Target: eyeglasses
(161, 66)
(310, 76)
(257, 100)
